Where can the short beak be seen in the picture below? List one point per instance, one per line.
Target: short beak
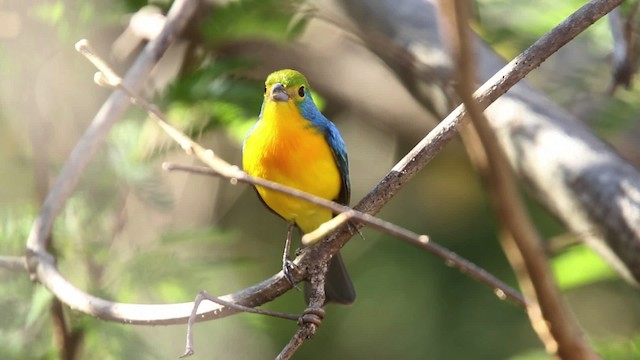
(278, 93)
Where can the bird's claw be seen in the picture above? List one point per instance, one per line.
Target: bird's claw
(287, 268)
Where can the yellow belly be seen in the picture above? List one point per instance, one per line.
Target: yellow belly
(287, 151)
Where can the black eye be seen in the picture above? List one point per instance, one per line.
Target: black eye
(265, 89)
(301, 91)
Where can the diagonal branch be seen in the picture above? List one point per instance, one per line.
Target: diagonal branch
(490, 91)
(595, 195)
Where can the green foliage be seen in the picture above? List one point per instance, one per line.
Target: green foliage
(24, 331)
(176, 274)
(129, 159)
(264, 19)
(620, 348)
(511, 34)
(69, 18)
(580, 266)
(213, 98)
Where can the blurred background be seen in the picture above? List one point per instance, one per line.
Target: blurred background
(133, 233)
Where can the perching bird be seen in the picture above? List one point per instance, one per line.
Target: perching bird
(295, 145)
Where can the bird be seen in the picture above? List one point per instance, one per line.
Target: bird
(294, 144)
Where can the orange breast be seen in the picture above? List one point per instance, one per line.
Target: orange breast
(284, 148)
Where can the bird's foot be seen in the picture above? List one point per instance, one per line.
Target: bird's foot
(287, 268)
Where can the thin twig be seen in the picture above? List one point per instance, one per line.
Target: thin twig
(204, 295)
(548, 314)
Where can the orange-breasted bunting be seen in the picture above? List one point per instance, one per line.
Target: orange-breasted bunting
(293, 144)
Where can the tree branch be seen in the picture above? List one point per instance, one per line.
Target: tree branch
(548, 314)
(489, 92)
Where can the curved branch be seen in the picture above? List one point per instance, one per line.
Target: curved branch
(39, 261)
(108, 114)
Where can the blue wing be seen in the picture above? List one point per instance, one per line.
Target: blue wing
(310, 112)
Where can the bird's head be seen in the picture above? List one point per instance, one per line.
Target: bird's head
(286, 85)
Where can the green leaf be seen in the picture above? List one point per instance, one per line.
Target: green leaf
(580, 266)
(620, 348)
(212, 97)
(266, 19)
